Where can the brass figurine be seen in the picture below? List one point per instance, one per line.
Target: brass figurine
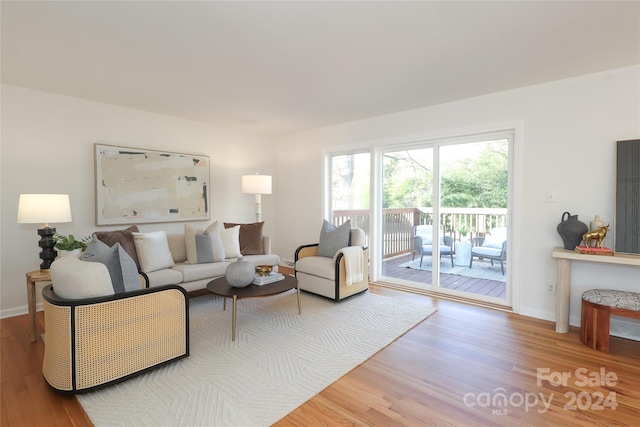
(597, 235)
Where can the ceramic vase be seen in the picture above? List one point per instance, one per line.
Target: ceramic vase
(571, 230)
(240, 274)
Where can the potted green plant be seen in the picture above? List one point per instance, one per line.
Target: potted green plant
(68, 245)
(463, 230)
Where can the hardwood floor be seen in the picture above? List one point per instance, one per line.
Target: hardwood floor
(439, 373)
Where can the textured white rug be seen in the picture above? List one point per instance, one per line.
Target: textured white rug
(279, 360)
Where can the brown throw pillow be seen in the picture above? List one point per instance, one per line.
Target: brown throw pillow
(250, 237)
(124, 237)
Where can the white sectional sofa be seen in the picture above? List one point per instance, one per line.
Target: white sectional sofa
(193, 277)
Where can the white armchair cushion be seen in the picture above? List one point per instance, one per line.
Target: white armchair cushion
(75, 279)
(317, 266)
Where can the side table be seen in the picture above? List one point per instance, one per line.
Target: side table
(463, 253)
(33, 277)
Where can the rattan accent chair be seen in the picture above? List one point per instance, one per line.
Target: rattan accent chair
(92, 343)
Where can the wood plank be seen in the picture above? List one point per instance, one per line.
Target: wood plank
(421, 378)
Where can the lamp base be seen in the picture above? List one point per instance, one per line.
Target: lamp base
(47, 243)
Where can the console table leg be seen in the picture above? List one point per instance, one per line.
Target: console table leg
(563, 294)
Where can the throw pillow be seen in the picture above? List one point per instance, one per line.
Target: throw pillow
(203, 245)
(231, 242)
(153, 251)
(75, 279)
(124, 237)
(333, 238)
(122, 269)
(94, 247)
(250, 237)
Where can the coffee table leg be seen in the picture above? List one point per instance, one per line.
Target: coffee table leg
(233, 319)
(299, 306)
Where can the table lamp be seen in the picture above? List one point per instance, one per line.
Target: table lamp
(258, 185)
(44, 208)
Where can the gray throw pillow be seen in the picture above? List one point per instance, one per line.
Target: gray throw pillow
(94, 247)
(333, 238)
(122, 269)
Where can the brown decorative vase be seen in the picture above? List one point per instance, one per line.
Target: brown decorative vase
(571, 230)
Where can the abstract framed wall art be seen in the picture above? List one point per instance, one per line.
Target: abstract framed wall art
(137, 186)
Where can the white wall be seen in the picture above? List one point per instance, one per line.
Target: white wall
(569, 129)
(47, 147)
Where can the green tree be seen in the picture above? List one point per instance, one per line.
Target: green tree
(479, 182)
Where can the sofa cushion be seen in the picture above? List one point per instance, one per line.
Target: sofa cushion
(124, 237)
(333, 238)
(177, 246)
(75, 279)
(166, 276)
(191, 272)
(204, 246)
(153, 251)
(250, 237)
(231, 242)
(94, 247)
(122, 270)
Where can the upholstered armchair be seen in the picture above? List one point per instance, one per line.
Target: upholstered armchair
(423, 243)
(329, 276)
(492, 247)
(93, 342)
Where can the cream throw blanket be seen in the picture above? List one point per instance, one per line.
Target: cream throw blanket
(353, 267)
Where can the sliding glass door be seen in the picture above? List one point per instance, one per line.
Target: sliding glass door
(436, 212)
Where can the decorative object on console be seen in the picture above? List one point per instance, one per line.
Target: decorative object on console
(136, 185)
(240, 274)
(597, 235)
(571, 230)
(44, 208)
(596, 223)
(258, 185)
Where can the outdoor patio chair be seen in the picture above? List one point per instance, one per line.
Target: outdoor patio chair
(492, 247)
(423, 243)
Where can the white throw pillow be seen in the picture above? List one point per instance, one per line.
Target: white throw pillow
(203, 246)
(153, 251)
(231, 242)
(75, 279)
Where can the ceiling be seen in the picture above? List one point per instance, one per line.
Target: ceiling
(281, 67)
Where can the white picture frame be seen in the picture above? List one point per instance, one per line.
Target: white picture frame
(139, 185)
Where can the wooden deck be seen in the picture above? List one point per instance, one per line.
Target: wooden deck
(492, 288)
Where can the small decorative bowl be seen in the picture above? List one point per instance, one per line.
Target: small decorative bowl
(263, 270)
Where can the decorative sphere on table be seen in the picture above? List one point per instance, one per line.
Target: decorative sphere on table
(240, 274)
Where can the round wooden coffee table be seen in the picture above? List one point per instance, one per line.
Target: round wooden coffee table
(222, 288)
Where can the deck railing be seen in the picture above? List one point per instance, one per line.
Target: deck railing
(398, 224)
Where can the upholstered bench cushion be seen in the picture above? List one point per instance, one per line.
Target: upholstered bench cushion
(612, 298)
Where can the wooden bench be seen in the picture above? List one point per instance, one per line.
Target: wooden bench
(597, 307)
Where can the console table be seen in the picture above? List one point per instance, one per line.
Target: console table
(563, 291)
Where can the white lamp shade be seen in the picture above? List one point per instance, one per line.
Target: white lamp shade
(44, 208)
(256, 184)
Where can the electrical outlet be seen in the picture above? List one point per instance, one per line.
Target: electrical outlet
(551, 288)
(288, 263)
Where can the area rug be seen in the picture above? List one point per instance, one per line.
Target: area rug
(279, 360)
(481, 269)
